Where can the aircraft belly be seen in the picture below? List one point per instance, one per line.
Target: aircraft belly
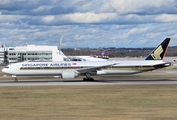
(39, 72)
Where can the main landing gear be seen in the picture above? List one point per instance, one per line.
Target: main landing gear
(88, 77)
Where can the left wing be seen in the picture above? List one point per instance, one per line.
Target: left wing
(93, 69)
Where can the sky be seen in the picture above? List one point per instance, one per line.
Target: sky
(88, 23)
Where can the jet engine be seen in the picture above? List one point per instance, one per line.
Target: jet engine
(69, 74)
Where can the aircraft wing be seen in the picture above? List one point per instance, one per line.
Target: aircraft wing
(93, 69)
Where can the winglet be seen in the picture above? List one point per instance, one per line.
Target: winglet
(159, 52)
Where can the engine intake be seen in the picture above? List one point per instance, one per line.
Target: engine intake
(69, 74)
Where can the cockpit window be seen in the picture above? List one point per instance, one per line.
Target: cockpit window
(7, 67)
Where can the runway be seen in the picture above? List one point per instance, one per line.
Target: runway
(154, 77)
(78, 82)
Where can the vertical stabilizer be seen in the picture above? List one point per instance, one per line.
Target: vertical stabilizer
(159, 52)
(104, 55)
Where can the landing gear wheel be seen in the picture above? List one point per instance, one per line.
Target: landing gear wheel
(88, 79)
(84, 79)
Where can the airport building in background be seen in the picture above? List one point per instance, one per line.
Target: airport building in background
(33, 53)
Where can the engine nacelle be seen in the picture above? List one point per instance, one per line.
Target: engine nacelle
(69, 74)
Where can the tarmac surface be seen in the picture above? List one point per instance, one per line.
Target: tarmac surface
(59, 83)
(155, 77)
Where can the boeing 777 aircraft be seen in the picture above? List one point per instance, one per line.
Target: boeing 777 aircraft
(73, 69)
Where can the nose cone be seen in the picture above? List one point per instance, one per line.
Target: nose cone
(4, 70)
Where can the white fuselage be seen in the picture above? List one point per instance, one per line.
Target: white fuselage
(57, 68)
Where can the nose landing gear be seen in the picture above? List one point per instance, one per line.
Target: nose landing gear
(15, 79)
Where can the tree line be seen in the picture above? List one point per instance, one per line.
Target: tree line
(117, 52)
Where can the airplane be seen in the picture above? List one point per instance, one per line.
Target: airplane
(72, 69)
(102, 57)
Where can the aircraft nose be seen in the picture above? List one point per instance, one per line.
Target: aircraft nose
(4, 70)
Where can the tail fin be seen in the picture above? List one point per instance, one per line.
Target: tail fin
(159, 52)
(104, 55)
